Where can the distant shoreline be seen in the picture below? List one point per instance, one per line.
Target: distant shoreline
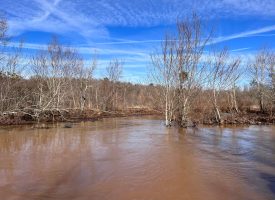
(71, 115)
(76, 115)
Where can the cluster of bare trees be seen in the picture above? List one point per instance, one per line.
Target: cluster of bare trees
(179, 70)
(188, 73)
(62, 79)
(109, 85)
(189, 82)
(57, 79)
(263, 78)
(54, 79)
(224, 73)
(11, 65)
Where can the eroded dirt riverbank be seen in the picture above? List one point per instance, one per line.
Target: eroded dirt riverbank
(137, 158)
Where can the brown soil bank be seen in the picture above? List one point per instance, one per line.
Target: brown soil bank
(73, 115)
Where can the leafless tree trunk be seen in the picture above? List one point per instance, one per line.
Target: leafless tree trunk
(234, 79)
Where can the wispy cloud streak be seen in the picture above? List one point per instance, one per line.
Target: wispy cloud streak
(244, 34)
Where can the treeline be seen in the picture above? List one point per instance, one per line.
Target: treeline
(188, 82)
(60, 80)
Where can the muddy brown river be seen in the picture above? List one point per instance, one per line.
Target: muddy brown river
(137, 158)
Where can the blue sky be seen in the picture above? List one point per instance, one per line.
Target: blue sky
(132, 29)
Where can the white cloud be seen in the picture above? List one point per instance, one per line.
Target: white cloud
(240, 49)
(132, 56)
(90, 18)
(42, 15)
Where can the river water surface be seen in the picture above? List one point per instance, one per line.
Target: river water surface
(136, 158)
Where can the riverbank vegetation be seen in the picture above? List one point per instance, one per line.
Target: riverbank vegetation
(190, 83)
(200, 81)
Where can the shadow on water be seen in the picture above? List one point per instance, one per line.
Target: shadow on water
(264, 160)
(270, 179)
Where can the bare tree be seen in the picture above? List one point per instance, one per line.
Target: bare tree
(235, 76)
(85, 76)
(258, 69)
(271, 81)
(223, 76)
(163, 73)
(180, 68)
(11, 67)
(114, 70)
(3, 30)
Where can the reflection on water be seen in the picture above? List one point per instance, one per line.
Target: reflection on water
(137, 159)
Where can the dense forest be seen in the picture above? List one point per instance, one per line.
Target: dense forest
(189, 84)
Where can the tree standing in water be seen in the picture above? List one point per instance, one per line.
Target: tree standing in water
(178, 68)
